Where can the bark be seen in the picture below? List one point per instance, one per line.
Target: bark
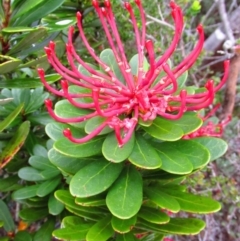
(214, 41)
(231, 86)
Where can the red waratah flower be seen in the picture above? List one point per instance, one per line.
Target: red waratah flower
(209, 128)
(143, 96)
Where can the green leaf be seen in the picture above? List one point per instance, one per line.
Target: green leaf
(14, 144)
(86, 215)
(162, 199)
(173, 161)
(6, 217)
(25, 192)
(9, 183)
(101, 231)
(98, 200)
(94, 178)
(217, 147)
(94, 122)
(71, 221)
(165, 130)
(50, 173)
(10, 118)
(113, 152)
(180, 226)
(45, 231)
(189, 122)
(19, 29)
(181, 80)
(144, 155)
(38, 11)
(124, 198)
(153, 215)
(30, 174)
(74, 233)
(108, 57)
(33, 214)
(23, 236)
(65, 109)
(193, 203)
(55, 130)
(123, 225)
(28, 40)
(55, 207)
(68, 200)
(28, 82)
(48, 186)
(126, 237)
(67, 164)
(196, 153)
(134, 64)
(154, 237)
(86, 149)
(9, 65)
(40, 163)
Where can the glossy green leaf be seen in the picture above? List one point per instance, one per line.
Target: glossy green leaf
(217, 147)
(67, 164)
(50, 173)
(153, 215)
(37, 12)
(28, 40)
(181, 80)
(55, 207)
(134, 64)
(65, 109)
(25, 192)
(196, 153)
(45, 231)
(30, 174)
(28, 82)
(55, 130)
(181, 226)
(40, 163)
(144, 155)
(9, 184)
(165, 130)
(123, 225)
(108, 57)
(23, 236)
(124, 198)
(94, 122)
(173, 161)
(101, 231)
(193, 203)
(162, 199)
(126, 237)
(14, 144)
(153, 237)
(6, 217)
(189, 122)
(94, 178)
(86, 149)
(67, 199)
(33, 214)
(9, 65)
(113, 152)
(20, 29)
(71, 221)
(48, 186)
(86, 215)
(98, 200)
(10, 118)
(74, 233)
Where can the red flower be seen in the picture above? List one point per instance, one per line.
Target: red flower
(122, 104)
(210, 128)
